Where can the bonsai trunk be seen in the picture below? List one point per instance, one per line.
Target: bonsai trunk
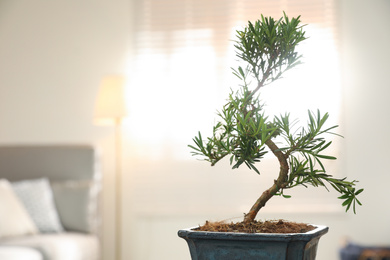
(279, 183)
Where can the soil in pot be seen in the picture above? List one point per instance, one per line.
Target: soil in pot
(268, 226)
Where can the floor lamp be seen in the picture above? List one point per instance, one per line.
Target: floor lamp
(110, 108)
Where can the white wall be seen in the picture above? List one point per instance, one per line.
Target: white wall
(52, 57)
(366, 53)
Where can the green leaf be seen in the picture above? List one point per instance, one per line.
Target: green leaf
(231, 159)
(347, 202)
(236, 74)
(343, 196)
(241, 72)
(320, 163)
(326, 157)
(325, 146)
(359, 191)
(193, 147)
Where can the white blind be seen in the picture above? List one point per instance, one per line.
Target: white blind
(180, 68)
(158, 22)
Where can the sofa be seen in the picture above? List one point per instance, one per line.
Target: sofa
(49, 202)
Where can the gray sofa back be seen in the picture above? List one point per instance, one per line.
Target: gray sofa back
(57, 162)
(74, 174)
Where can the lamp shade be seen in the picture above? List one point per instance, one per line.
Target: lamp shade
(110, 102)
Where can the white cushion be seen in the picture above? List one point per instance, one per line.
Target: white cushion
(37, 197)
(19, 253)
(60, 246)
(14, 219)
(77, 205)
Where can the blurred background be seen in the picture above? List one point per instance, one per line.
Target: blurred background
(177, 56)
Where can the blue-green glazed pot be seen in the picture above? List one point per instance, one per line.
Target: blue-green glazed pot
(259, 246)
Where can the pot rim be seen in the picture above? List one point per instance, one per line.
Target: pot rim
(189, 233)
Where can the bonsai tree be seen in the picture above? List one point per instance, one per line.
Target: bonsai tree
(244, 132)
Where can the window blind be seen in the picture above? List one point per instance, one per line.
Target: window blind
(164, 17)
(182, 54)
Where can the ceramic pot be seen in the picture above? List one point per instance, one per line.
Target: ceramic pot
(243, 246)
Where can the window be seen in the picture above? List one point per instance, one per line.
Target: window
(183, 50)
(180, 75)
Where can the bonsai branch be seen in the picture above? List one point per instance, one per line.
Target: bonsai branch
(261, 83)
(279, 183)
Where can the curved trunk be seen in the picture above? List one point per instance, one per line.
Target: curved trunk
(279, 183)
